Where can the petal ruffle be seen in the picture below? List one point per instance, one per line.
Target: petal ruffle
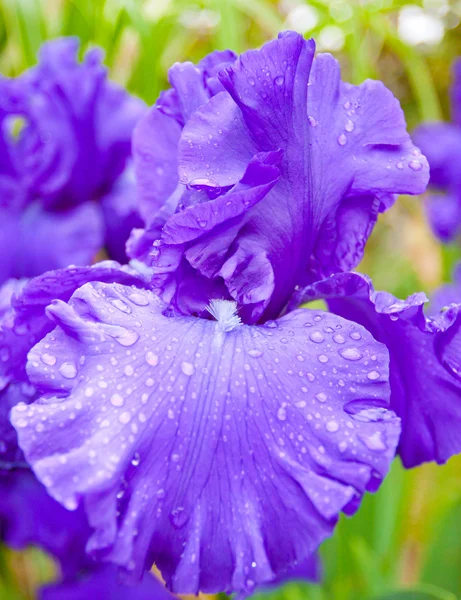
(187, 438)
(27, 322)
(425, 387)
(339, 142)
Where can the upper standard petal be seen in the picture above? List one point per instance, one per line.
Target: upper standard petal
(336, 141)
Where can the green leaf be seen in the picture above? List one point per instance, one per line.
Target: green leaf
(427, 592)
(443, 563)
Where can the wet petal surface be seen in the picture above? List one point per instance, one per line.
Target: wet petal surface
(188, 438)
(424, 361)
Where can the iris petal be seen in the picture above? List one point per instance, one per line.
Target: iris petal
(424, 361)
(187, 438)
(344, 150)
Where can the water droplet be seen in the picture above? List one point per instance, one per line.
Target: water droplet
(5, 354)
(350, 354)
(317, 337)
(125, 337)
(415, 165)
(251, 80)
(338, 338)
(279, 80)
(367, 415)
(400, 165)
(321, 397)
(300, 357)
(342, 139)
(120, 305)
(342, 446)
(68, 370)
(136, 459)
(332, 426)
(138, 299)
(349, 126)
(312, 121)
(374, 442)
(125, 417)
(48, 359)
(187, 368)
(373, 375)
(178, 517)
(117, 400)
(281, 414)
(128, 370)
(322, 358)
(255, 353)
(355, 335)
(151, 359)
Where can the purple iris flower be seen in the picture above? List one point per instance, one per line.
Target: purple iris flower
(424, 358)
(30, 516)
(271, 194)
(62, 196)
(199, 428)
(441, 143)
(447, 294)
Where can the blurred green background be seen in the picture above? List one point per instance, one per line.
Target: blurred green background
(405, 541)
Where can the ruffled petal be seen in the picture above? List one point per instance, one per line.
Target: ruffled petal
(424, 363)
(279, 99)
(27, 322)
(187, 438)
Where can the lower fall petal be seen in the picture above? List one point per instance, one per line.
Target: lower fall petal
(424, 363)
(188, 438)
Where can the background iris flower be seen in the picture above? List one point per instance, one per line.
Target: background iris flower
(441, 142)
(64, 193)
